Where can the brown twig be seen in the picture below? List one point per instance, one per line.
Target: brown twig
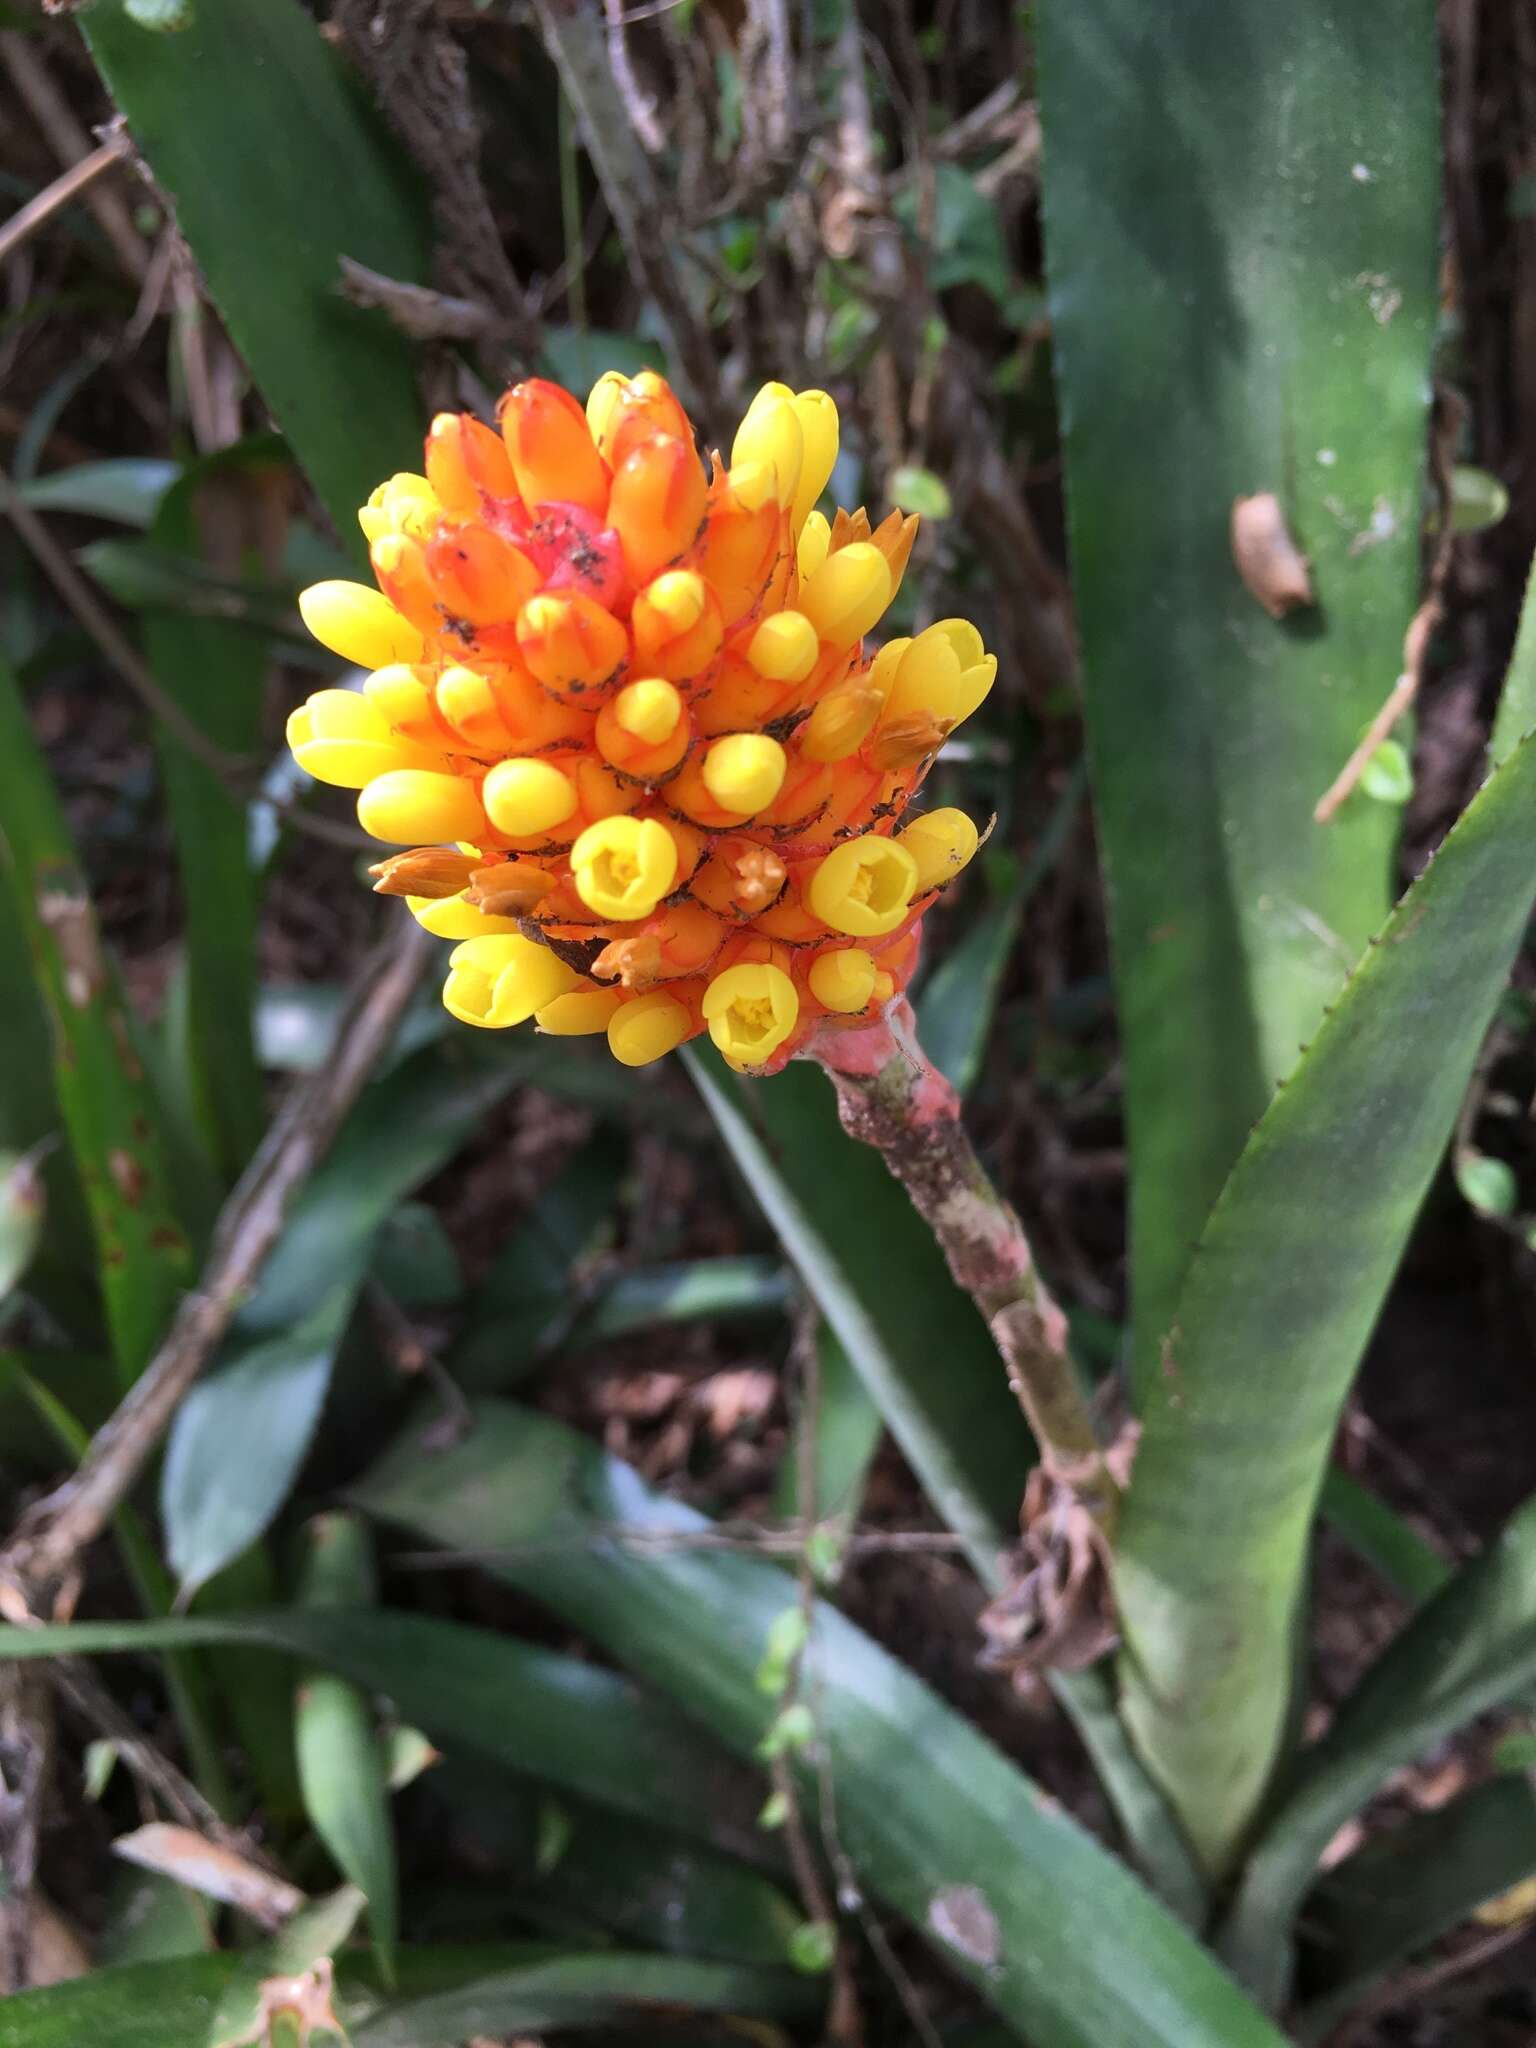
(44, 1551)
(70, 184)
(71, 145)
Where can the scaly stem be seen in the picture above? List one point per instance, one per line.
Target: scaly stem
(890, 1096)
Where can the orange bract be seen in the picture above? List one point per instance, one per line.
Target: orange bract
(633, 688)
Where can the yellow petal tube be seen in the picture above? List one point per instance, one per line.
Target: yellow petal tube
(812, 547)
(847, 594)
(417, 807)
(750, 1010)
(941, 843)
(450, 917)
(771, 434)
(359, 624)
(581, 1013)
(840, 724)
(343, 738)
(946, 671)
(745, 771)
(864, 887)
(526, 797)
(499, 981)
(843, 981)
(784, 648)
(646, 1027)
(817, 413)
(649, 709)
(623, 867)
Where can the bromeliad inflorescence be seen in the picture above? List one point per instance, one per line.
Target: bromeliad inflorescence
(621, 717)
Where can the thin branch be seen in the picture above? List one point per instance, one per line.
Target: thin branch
(71, 145)
(44, 1550)
(70, 184)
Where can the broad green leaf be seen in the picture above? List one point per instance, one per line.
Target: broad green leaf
(109, 1110)
(878, 1277)
(1409, 1886)
(1517, 701)
(341, 1764)
(23, 1206)
(1240, 211)
(127, 489)
(215, 673)
(1275, 1313)
(1004, 1884)
(514, 1704)
(276, 170)
(1470, 1648)
(240, 1436)
(445, 1996)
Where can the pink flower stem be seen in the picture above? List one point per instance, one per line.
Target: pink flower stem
(889, 1095)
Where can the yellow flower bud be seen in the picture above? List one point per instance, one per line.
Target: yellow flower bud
(771, 434)
(864, 887)
(784, 648)
(753, 485)
(817, 413)
(451, 917)
(646, 1027)
(844, 981)
(946, 671)
(940, 842)
(812, 547)
(602, 399)
(524, 797)
(580, 1014)
(401, 695)
(881, 673)
(416, 807)
(623, 867)
(359, 624)
(497, 981)
(840, 724)
(649, 709)
(342, 738)
(745, 771)
(847, 593)
(405, 504)
(676, 600)
(750, 1010)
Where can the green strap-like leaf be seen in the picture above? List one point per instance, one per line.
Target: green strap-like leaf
(1054, 1931)
(1240, 206)
(1470, 1648)
(1410, 1886)
(276, 170)
(1280, 1299)
(110, 1111)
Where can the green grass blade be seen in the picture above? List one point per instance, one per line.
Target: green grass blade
(276, 170)
(1280, 1300)
(1407, 1888)
(215, 672)
(341, 1765)
(1392, 1547)
(845, 1432)
(1471, 1648)
(109, 1109)
(1054, 1932)
(513, 1704)
(1241, 207)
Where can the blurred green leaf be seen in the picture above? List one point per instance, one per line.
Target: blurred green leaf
(577, 356)
(845, 1429)
(1488, 1185)
(341, 1768)
(23, 1205)
(1469, 1649)
(1240, 216)
(126, 489)
(911, 489)
(276, 170)
(109, 1110)
(1279, 1302)
(1478, 500)
(1054, 1932)
(216, 674)
(1407, 1887)
(414, 1260)
(965, 241)
(1387, 777)
(690, 1291)
(521, 1707)
(1391, 1546)
(240, 1436)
